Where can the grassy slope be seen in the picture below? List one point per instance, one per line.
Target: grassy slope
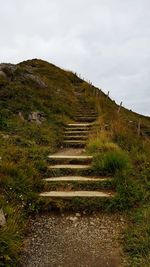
(25, 145)
(36, 85)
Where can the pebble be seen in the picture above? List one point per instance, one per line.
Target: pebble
(53, 241)
(73, 219)
(78, 214)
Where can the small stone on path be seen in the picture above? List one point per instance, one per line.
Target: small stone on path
(89, 241)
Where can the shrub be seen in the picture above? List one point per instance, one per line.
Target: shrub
(101, 143)
(98, 146)
(111, 162)
(137, 237)
(10, 238)
(129, 192)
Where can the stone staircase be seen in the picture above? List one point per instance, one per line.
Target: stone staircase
(69, 171)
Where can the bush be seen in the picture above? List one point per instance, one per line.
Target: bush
(10, 239)
(129, 192)
(98, 146)
(111, 162)
(137, 237)
(101, 143)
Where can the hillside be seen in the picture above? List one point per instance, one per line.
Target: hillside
(37, 101)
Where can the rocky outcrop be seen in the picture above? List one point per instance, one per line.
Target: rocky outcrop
(37, 117)
(36, 79)
(7, 70)
(2, 74)
(2, 218)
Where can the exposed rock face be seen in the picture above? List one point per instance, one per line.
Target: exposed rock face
(7, 70)
(37, 117)
(2, 73)
(2, 218)
(37, 80)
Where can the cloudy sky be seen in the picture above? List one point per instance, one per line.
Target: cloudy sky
(106, 41)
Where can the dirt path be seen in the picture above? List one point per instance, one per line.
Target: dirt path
(74, 240)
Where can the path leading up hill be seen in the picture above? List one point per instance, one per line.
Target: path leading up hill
(74, 239)
(72, 161)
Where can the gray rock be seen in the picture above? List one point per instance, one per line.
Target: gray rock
(8, 69)
(5, 136)
(37, 117)
(2, 218)
(2, 73)
(36, 79)
(21, 116)
(73, 219)
(78, 214)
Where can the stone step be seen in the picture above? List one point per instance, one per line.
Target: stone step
(75, 137)
(68, 132)
(77, 182)
(70, 159)
(72, 194)
(85, 119)
(85, 114)
(77, 179)
(78, 129)
(69, 166)
(74, 143)
(85, 111)
(79, 125)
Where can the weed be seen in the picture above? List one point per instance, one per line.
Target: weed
(111, 162)
(137, 237)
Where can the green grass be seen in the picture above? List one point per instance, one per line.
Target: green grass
(36, 85)
(109, 163)
(137, 237)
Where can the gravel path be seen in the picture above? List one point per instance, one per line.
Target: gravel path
(73, 240)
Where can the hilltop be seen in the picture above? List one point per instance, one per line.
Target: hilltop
(37, 101)
(36, 85)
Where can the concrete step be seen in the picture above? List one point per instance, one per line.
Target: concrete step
(85, 113)
(77, 182)
(85, 129)
(79, 125)
(76, 179)
(75, 137)
(74, 143)
(68, 132)
(70, 166)
(70, 159)
(85, 119)
(72, 194)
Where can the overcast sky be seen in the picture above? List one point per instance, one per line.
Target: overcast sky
(106, 41)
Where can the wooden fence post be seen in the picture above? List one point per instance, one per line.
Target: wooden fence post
(139, 128)
(120, 107)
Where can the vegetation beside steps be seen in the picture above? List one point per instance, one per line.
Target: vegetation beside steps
(43, 108)
(79, 191)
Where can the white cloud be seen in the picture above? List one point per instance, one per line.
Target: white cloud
(106, 41)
